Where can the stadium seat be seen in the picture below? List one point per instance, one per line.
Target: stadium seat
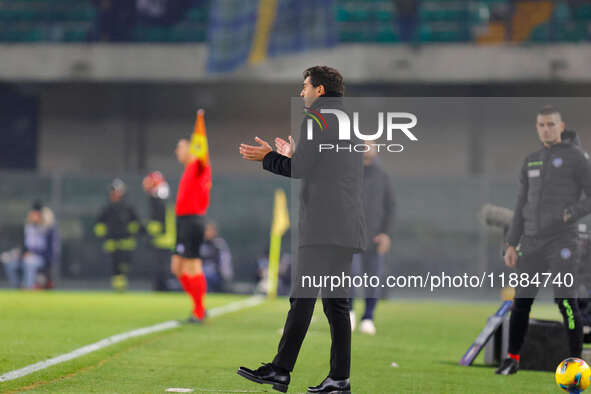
(387, 36)
(561, 13)
(450, 11)
(583, 11)
(197, 14)
(76, 34)
(150, 34)
(443, 32)
(565, 32)
(188, 33)
(80, 14)
(384, 15)
(22, 35)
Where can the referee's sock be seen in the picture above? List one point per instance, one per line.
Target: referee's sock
(184, 280)
(197, 286)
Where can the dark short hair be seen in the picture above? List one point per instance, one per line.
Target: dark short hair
(329, 77)
(37, 205)
(549, 110)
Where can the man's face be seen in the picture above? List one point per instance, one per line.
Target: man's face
(310, 93)
(34, 217)
(210, 232)
(549, 127)
(182, 151)
(115, 195)
(148, 184)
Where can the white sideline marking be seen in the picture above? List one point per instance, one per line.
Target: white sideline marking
(222, 310)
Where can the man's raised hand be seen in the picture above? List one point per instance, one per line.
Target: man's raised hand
(255, 153)
(283, 147)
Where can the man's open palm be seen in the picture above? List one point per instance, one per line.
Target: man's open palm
(255, 153)
(285, 148)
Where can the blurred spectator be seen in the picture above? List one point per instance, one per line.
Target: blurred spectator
(155, 9)
(163, 12)
(118, 225)
(115, 20)
(407, 12)
(161, 229)
(39, 251)
(217, 259)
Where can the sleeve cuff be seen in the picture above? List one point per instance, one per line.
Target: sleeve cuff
(268, 159)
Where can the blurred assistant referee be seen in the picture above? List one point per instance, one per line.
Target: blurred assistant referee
(544, 226)
(331, 229)
(191, 205)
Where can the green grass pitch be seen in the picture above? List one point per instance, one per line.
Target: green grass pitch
(425, 338)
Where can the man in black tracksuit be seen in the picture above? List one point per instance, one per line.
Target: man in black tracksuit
(544, 226)
(331, 229)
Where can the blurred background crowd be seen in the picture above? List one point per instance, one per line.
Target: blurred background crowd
(387, 21)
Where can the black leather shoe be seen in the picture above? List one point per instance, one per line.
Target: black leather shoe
(509, 366)
(267, 374)
(332, 386)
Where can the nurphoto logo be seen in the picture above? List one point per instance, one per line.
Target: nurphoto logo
(395, 122)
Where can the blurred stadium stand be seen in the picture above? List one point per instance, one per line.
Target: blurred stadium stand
(456, 41)
(482, 21)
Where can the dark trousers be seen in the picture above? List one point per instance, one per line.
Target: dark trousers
(556, 254)
(120, 261)
(571, 316)
(162, 274)
(325, 260)
(371, 264)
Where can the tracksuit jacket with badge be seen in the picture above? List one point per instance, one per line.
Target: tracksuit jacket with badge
(551, 181)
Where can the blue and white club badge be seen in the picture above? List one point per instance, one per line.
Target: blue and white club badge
(557, 162)
(565, 253)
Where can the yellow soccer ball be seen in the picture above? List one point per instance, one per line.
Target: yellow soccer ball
(573, 375)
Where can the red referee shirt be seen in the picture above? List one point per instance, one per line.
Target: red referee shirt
(193, 194)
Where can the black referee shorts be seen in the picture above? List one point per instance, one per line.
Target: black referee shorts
(190, 230)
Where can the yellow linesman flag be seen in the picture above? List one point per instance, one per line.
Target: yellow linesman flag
(280, 214)
(199, 147)
(278, 228)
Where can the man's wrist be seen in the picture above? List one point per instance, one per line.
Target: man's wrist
(267, 160)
